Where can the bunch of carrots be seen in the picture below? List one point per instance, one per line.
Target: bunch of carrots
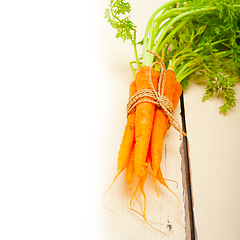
(198, 37)
(145, 131)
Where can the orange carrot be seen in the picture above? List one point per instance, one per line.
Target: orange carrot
(177, 94)
(159, 176)
(129, 176)
(128, 135)
(160, 124)
(127, 140)
(144, 118)
(141, 182)
(130, 170)
(176, 97)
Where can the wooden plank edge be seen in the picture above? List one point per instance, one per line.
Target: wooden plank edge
(191, 232)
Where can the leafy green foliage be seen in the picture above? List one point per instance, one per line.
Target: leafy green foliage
(207, 43)
(210, 42)
(222, 86)
(185, 83)
(118, 15)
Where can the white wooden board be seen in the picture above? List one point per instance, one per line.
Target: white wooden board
(215, 165)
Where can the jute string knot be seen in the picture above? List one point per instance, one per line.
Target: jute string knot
(157, 97)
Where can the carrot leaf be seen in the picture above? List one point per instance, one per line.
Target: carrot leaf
(118, 15)
(198, 37)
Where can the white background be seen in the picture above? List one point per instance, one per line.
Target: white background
(53, 118)
(63, 91)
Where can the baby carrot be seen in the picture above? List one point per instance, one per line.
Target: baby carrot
(130, 170)
(141, 182)
(176, 97)
(144, 118)
(177, 94)
(127, 140)
(160, 124)
(128, 135)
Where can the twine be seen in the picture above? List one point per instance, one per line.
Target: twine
(157, 97)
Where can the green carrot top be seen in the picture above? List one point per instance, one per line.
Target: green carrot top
(192, 36)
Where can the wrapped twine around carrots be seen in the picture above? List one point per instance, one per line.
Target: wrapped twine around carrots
(157, 97)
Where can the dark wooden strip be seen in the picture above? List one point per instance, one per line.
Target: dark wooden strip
(187, 186)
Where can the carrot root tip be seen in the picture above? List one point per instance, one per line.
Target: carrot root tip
(155, 184)
(149, 222)
(108, 190)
